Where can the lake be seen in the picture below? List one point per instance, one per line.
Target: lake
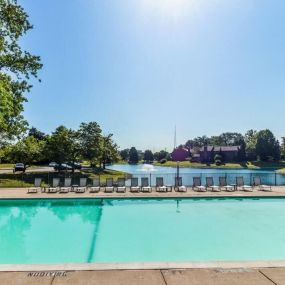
(168, 173)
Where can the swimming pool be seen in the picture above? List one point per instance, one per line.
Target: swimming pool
(141, 230)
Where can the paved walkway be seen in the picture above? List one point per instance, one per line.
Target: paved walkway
(269, 276)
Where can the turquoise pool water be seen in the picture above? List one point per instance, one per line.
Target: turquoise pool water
(141, 230)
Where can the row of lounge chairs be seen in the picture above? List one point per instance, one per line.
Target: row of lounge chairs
(95, 186)
(223, 185)
(145, 186)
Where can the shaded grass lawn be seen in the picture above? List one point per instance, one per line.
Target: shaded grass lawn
(6, 165)
(27, 179)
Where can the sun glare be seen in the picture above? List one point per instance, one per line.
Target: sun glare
(171, 9)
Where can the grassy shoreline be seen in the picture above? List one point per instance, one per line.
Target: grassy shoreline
(231, 165)
(11, 180)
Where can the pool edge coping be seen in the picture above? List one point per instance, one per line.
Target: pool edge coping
(213, 196)
(141, 266)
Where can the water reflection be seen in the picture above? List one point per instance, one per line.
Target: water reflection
(38, 231)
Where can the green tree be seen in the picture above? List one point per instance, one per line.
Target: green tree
(16, 68)
(232, 139)
(63, 146)
(27, 150)
(215, 140)
(267, 146)
(148, 156)
(283, 148)
(161, 155)
(110, 151)
(5, 151)
(201, 141)
(37, 134)
(198, 142)
(218, 159)
(133, 155)
(124, 153)
(250, 141)
(91, 142)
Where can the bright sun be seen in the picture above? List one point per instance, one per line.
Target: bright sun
(168, 8)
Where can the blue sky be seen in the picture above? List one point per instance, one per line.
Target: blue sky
(140, 67)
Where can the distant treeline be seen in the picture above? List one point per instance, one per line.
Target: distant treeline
(255, 145)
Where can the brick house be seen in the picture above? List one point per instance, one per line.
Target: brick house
(207, 154)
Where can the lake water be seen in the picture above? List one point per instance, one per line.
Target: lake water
(168, 173)
(141, 230)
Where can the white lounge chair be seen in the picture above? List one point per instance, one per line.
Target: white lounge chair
(160, 187)
(242, 186)
(197, 185)
(37, 186)
(262, 187)
(109, 188)
(82, 185)
(66, 186)
(135, 185)
(179, 186)
(210, 185)
(145, 187)
(55, 186)
(95, 187)
(224, 185)
(121, 185)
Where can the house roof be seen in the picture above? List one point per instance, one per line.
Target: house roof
(227, 148)
(196, 155)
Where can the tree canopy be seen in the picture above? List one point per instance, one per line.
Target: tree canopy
(17, 66)
(148, 156)
(133, 155)
(62, 145)
(267, 146)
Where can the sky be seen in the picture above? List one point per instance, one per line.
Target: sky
(140, 67)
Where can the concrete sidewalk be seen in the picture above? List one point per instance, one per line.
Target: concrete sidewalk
(150, 277)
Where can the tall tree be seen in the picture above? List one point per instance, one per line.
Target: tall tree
(16, 68)
(250, 141)
(148, 156)
(63, 145)
(267, 146)
(283, 148)
(90, 136)
(133, 155)
(109, 150)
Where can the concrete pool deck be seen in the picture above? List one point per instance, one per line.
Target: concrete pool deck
(258, 276)
(196, 273)
(21, 193)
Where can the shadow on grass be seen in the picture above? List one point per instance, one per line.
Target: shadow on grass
(269, 164)
(27, 179)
